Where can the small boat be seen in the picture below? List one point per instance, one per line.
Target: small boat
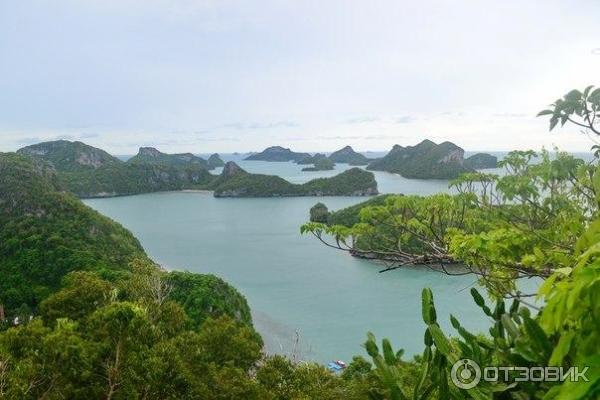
(336, 366)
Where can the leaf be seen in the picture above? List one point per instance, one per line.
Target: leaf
(440, 340)
(561, 349)
(545, 112)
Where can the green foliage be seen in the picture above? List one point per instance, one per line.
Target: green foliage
(203, 296)
(46, 233)
(581, 108)
(502, 228)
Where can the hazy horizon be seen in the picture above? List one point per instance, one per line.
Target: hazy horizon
(235, 76)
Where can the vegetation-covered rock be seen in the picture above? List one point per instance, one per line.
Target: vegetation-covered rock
(311, 159)
(151, 156)
(90, 172)
(319, 213)
(279, 154)
(215, 161)
(235, 182)
(481, 161)
(347, 155)
(64, 155)
(426, 160)
(322, 164)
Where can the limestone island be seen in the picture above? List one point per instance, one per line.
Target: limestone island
(321, 164)
(235, 182)
(277, 154)
(426, 160)
(90, 172)
(347, 155)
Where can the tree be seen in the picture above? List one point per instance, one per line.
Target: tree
(581, 108)
(539, 220)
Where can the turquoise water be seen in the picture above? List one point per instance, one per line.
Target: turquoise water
(293, 283)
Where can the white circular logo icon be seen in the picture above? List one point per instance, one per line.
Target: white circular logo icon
(465, 374)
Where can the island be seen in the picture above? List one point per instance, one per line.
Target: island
(151, 156)
(347, 155)
(311, 159)
(277, 154)
(321, 164)
(426, 160)
(481, 161)
(89, 172)
(215, 161)
(236, 182)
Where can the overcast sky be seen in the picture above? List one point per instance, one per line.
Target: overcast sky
(204, 76)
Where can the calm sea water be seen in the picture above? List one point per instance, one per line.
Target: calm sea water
(295, 286)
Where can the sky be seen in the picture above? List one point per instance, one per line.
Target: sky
(225, 76)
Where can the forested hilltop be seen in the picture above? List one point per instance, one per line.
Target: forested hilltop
(90, 172)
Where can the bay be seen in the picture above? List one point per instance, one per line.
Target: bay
(308, 301)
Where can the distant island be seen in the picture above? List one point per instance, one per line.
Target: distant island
(481, 161)
(235, 182)
(215, 161)
(321, 164)
(428, 160)
(347, 155)
(277, 154)
(150, 155)
(90, 172)
(311, 159)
